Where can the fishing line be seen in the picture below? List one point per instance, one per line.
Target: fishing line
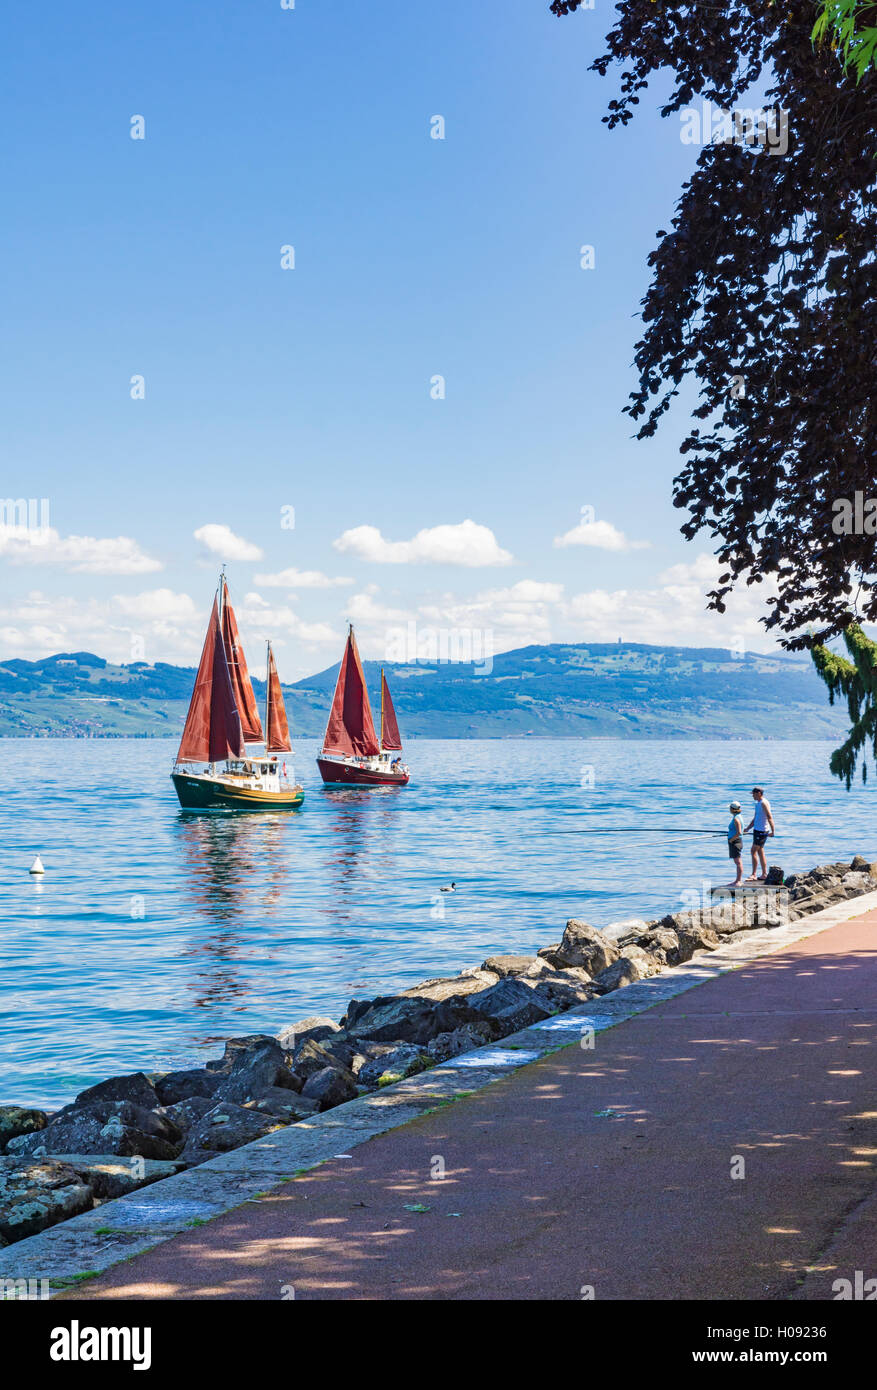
(633, 830)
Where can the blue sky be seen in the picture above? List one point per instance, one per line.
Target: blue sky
(310, 388)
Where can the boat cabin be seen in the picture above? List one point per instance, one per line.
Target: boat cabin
(256, 772)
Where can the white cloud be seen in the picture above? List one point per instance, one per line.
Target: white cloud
(468, 544)
(600, 535)
(363, 608)
(157, 625)
(157, 605)
(517, 616)
(703, 570)
(260, 619)
(165, 625)
(674, 613)
(79, 554)
(299, 579)
(221, 541)
(533, 612)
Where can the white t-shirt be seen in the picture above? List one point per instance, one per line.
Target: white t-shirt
(762, 809)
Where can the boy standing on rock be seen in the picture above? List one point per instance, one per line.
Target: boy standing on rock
(760, 832)
(735, 841)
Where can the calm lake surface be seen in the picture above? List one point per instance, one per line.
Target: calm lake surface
(155, 934)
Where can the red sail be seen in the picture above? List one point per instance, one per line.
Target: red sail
(351, 729)
(391, 739)
(213, 724)
(276, 726)
(240, 676)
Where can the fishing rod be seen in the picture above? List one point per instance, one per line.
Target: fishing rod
(633, 830)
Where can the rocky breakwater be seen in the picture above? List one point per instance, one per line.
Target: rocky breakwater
(132, 1130)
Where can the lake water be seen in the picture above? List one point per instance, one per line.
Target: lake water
(155, 934)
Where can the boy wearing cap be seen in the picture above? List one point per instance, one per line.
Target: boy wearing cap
(735, 841)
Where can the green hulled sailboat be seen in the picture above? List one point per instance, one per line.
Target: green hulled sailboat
(223, 720)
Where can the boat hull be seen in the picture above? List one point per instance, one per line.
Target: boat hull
(337, 774)
(198, 793)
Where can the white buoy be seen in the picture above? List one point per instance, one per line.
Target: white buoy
(37, 866)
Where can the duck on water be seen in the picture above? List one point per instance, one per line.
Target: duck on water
(223, 719)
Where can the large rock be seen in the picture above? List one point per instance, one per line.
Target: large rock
(582, 945)
(185, 1114)
(136, 1088)
(227, 1127)
(541, 970)
(172, 1087)
(829, 878)
(311, 1057)
(564, 989)
(375, 1018)
(662, 944)
(109, 1176)
(368, 1052)
(693, 939)
(16, 1120)
(620, 933)
(510, 1005)
(342, 1049)
(114, 1127)
(283, 1105)
(395, 1066)
(508, 965)
(771, 909)
(855, 883)
(469, 981)
(726, 916)
(645, 962)
(410, 1018)
(355, 1011)
(253, 1065)
(808, 903)
(249, 1066)
(317, 1028)
(621, 972)
(37, 1194)
(329, 1088)
(464, 1039)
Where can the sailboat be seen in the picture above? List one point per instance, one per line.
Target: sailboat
(352, 754)
(223, 719)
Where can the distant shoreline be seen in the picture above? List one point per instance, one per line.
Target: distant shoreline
(578, 691)
(707, 736)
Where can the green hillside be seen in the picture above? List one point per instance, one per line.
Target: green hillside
(561, 691)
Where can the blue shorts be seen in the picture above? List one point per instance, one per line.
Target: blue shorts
(759, 838)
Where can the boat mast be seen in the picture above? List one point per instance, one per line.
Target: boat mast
(267, 695)
(381, 738)
(212, 766)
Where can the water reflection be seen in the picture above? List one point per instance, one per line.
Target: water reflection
(231, 864)
(230, 860)
(361, 820)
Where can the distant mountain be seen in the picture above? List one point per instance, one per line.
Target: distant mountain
(560, 691)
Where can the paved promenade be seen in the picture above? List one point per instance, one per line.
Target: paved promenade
(608, 1169)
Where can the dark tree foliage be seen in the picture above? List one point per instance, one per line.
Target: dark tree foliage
(768, 275)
